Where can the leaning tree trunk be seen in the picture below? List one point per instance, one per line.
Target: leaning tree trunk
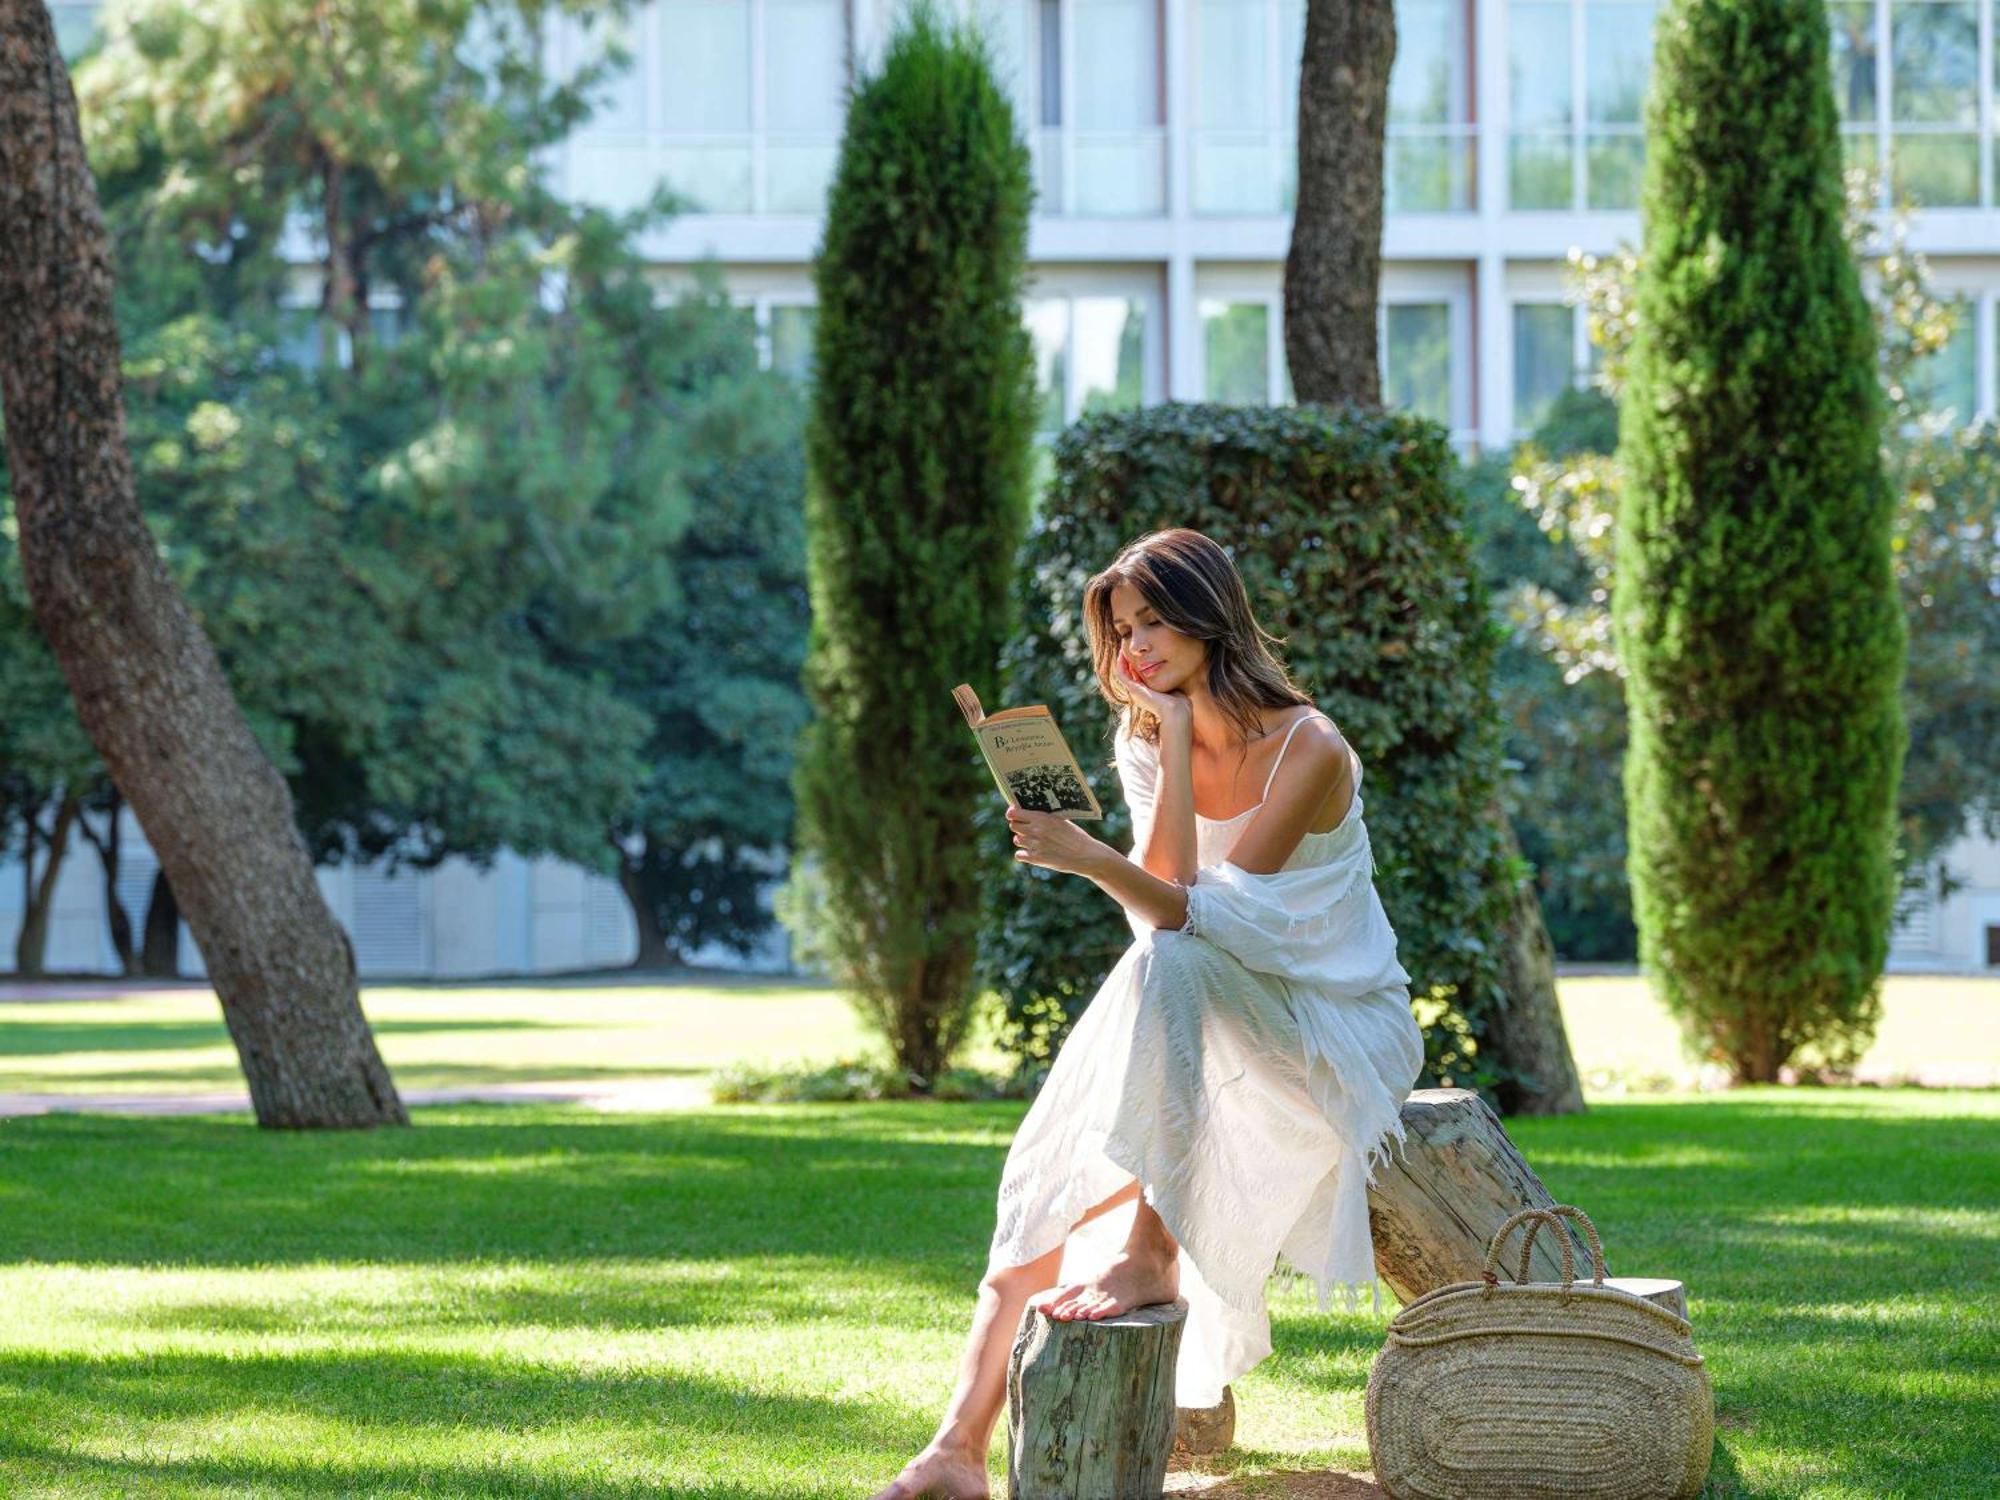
(1526, 1036)
(145, 679)
(1333, 270)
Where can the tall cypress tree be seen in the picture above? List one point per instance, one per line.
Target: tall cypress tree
(918, 448)
(1754, 606)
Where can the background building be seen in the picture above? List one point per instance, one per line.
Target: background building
(1163, 141)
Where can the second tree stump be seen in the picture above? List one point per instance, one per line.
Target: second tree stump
(1090, 1404)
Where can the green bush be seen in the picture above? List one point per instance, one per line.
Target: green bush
(1754, 609)
(918, 447)
(1346, 528)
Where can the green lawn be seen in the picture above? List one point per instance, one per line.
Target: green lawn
(769, 1301)
(450, 1036)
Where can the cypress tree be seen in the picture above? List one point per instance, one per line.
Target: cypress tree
(1754, 606)
(918, 447)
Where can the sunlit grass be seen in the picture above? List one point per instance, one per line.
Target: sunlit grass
(459, 1036)
(769, 1301)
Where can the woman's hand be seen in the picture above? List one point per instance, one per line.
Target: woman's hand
(1054, 842)
(1168, 708)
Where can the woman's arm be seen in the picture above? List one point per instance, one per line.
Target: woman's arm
(1169, 852)
(1139, 891)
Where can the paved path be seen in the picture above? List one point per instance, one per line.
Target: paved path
(610, 1095)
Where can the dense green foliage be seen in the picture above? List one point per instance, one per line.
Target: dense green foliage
(447, 562)
(1754, 609)
(918, 449)
(1347, 531)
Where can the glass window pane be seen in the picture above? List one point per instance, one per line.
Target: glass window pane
(621, 98)
(1613, 166)
(804, 44)
(1118, 49)
(1944, 383)
(1006, 26)
(1048, 325)
(792, 339)
(1237, 339)
(1938, 170)
(1538, 171)
(1427, 80)
(1853, 53)
(1232, 65)
(704, 61)
(1617, 61)
(1934, 62)
(1538, 63)
(1544, 355)
(1110, 353)
(1429, 173)
(1416, 358)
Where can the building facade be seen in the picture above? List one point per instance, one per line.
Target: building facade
(1162, 134)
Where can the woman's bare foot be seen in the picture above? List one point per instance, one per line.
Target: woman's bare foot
(944, 1473)
(1136, 1277)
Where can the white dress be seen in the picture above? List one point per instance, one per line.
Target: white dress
(1248, 1068)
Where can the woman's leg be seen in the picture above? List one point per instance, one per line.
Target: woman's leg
(954, 1462)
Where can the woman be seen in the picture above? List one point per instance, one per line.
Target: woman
(1246, 1060)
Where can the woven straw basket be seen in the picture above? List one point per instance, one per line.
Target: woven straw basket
(1526, 1390)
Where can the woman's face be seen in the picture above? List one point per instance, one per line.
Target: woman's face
(1162, 656)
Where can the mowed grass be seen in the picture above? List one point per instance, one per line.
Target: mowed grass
(168, 1041)
(440, 1037)
(769, 1301)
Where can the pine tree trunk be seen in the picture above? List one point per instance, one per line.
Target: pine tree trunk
(1333, 270)
(655, 952)
(1527, 1038)
(144, 677)
(160, 948)
(32, 943)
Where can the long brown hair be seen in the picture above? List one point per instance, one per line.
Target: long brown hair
(1192, 585)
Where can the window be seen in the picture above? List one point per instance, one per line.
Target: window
(1946, 383)
(1906, 76)
(1544, 358)
(1577, 72)
(736, 103)
(788, 338)
(1236, 350)
(1429, 152)
(1085, 77)
(1416, 358)
(1091, 354)
(1245, 62)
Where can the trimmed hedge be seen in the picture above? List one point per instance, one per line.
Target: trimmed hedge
(1346, 529)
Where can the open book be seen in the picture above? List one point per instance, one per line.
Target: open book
(1029, 758)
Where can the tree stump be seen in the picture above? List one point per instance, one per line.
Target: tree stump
(1206, 1429)
(1437, 1202)
(1090, 1404)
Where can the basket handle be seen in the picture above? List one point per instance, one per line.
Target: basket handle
(1551, 1216)
(1538, 1216)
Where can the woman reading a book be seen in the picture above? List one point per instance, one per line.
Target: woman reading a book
(1230, 1087)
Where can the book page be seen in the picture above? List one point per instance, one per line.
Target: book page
(1032, 764)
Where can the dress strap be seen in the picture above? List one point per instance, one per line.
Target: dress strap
(1286, 746)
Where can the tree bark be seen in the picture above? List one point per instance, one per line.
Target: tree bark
(32, 943)
(144, 677)
(655, 952)
(160, 950)
(1435, 1207)
(1333, 270)
(1090, 1404)
(1527, 1037)
(115, 914)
